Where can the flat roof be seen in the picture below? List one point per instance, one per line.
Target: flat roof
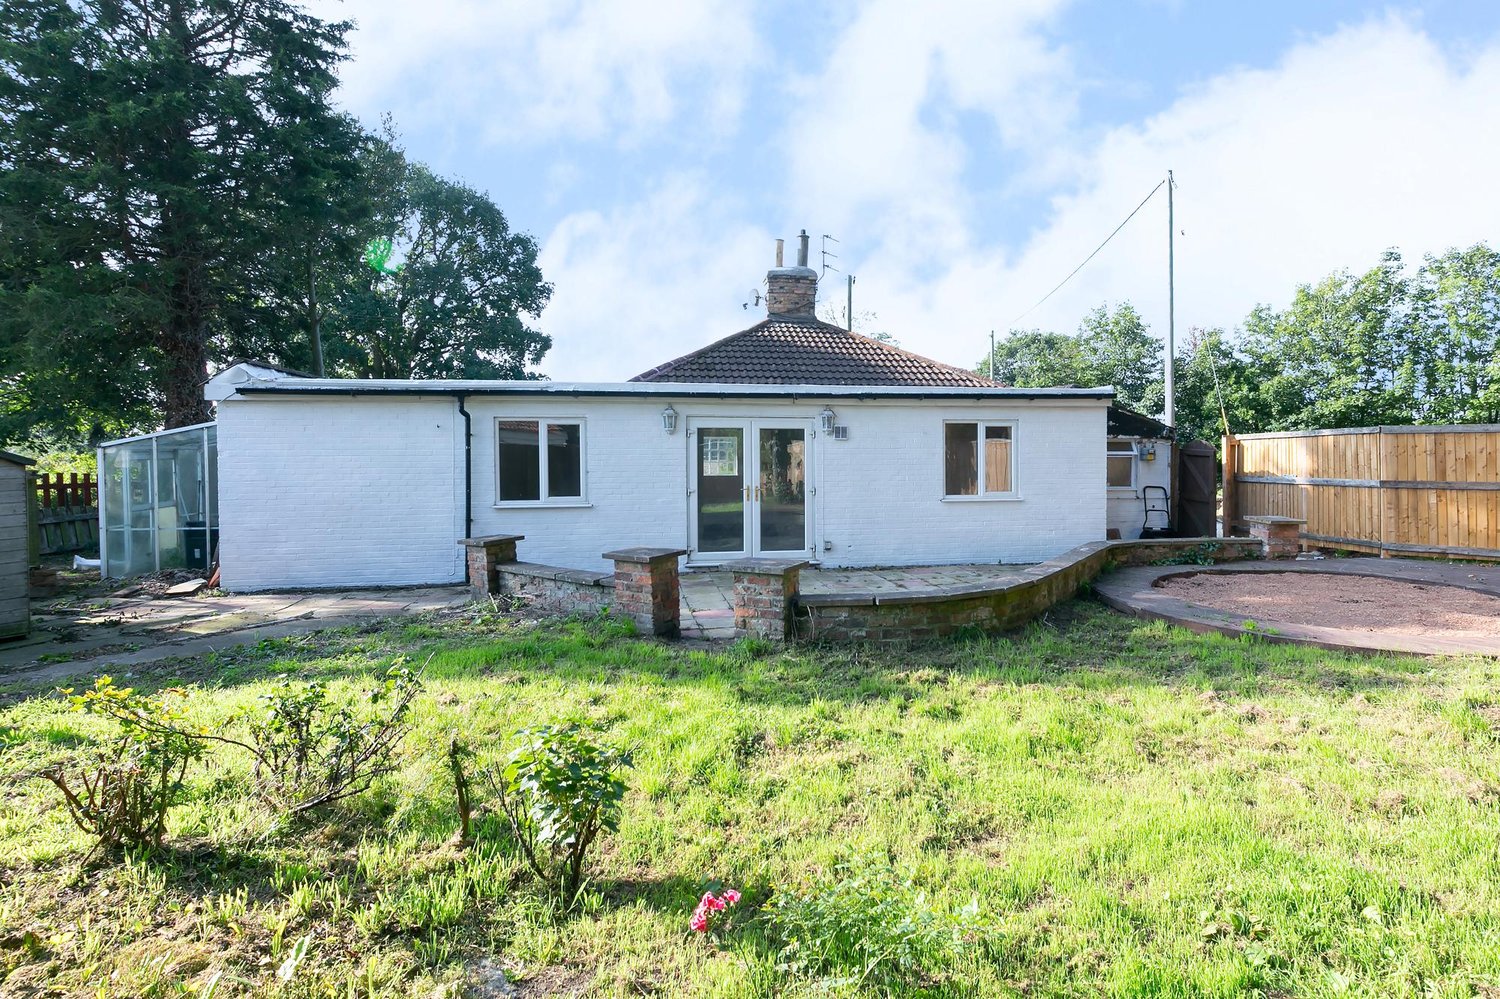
(713, 390)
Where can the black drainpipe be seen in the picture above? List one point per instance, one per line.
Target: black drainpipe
(468, 469)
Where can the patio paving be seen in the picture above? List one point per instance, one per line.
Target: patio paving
(90, 633)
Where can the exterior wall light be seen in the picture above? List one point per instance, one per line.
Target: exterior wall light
(669, 419)
(825, 420)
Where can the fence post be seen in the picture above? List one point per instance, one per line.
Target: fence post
(1231, 499)
(33, 525)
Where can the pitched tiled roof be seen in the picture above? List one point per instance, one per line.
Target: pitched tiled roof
(791, 350)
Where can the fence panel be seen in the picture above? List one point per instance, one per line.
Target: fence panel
(1393, 490)
(67, 510)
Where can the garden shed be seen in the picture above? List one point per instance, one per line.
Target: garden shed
(158, 501)
(15, 545)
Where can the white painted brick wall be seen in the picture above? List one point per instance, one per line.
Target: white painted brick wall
(327, 492)
(1126, 507)
(339, 492)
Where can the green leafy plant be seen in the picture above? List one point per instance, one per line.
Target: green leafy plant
(310, 750)
(559, 789)
(1204, 554)
(866, 926)
(120, 792)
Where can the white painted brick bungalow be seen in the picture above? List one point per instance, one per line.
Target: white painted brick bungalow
(792, 438)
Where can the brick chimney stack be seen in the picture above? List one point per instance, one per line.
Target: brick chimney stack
(792, 291)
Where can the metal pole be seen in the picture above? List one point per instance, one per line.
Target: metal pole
(991, 372)
(1171, 414)
(849, 314)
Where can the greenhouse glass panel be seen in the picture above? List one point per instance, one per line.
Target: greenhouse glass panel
(157, 501)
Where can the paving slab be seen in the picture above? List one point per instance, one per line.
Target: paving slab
(140, 629)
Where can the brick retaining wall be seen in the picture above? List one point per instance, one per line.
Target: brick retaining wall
(918, 614)
(550, 590)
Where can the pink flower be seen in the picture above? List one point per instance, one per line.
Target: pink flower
(708, 905)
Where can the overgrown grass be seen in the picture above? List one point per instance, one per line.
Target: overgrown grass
(1139, 811)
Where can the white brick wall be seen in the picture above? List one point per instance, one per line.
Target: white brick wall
(339, 492)
(1126, 508)
(326, 492)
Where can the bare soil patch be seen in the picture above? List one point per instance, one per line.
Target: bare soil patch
(1360, 603)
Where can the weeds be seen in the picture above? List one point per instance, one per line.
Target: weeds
(559, 789)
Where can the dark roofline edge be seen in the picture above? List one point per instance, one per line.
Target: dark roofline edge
(957, 392)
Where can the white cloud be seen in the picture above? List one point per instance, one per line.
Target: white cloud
(531, 72)
(1369, 137)
(642, 284)
(879, 140)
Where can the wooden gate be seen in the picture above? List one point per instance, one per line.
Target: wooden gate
(1391, 490)
(1197, 488)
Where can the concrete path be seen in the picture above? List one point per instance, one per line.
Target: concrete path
(1134, 591)
(74, 635)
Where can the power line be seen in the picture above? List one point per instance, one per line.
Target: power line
(1091, 256)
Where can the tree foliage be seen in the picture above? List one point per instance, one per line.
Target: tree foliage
(454, 298)
(176, 191)
(154, 151)
(1110, 348)
(1390, 346)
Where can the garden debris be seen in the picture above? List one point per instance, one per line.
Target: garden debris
(187, 588)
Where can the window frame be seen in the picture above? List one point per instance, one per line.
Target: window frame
(1009, 496)
(1134, 456)
(545, 501)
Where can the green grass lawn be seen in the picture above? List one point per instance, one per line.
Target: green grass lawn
(1139, 812)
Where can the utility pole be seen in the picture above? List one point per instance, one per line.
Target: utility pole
(1171, 414)
(849, 305)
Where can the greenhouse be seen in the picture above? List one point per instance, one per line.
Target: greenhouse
(158, 501)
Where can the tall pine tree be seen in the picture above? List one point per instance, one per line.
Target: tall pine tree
(162, 164)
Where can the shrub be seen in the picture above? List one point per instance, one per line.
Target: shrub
(121, 792)
(309, 750)
(865, 926)
(559, 789)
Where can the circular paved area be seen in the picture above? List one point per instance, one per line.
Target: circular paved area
(1139, 591)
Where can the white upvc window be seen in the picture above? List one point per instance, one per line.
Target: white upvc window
(540, 461)
(979, 459)
(1119, 459)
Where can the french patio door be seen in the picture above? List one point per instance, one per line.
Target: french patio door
(751, 481)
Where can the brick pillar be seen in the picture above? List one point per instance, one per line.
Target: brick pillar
(646, 589)
(1280, 537)
(484, 556)
(765, 592)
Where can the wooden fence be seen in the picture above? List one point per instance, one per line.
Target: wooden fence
(67, 512)
(1390, 490)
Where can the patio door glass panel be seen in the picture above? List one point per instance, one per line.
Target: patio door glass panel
(721, 491)
(781, 490)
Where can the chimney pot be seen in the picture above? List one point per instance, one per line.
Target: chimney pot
(779, 244)
(802, 249)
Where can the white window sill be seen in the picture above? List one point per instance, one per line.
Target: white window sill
(1122, 489)
(557, 504)
(1007, 498)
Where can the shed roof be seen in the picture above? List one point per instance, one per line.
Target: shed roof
(797, 350)
(16, 459)
(1126, 422)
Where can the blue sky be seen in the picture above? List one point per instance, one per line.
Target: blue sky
(966, 155)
